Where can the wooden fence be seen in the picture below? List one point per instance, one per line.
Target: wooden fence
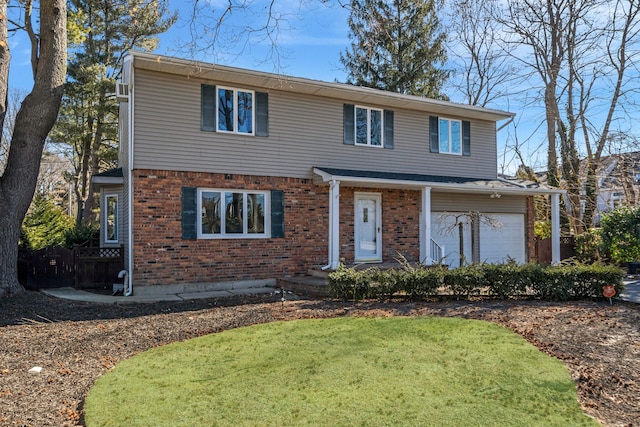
(80, 267)
(543, 249)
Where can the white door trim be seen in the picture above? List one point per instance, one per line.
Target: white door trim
(367, 227)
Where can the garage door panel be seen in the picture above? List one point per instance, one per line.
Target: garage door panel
(497, 245)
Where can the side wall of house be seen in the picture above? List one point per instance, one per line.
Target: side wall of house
(304, 131)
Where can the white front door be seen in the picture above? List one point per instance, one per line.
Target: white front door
(368, 229)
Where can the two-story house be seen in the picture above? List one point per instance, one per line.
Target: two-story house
(236, 175)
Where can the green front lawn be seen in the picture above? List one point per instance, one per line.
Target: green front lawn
(422, 371)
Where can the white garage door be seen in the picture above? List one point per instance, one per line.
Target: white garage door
(497, 244)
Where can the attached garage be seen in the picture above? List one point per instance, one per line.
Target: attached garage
(501, 237)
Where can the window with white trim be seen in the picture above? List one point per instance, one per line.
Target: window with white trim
(368, 126)
(450, 136)
(233, 213)
(111, 218)
(235, 110)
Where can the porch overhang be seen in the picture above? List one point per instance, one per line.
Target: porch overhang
(111, 177)
(378, 179)
(428, 184)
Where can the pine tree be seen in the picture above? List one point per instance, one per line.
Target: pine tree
(46, 224)
(101, 33)
(396, 45)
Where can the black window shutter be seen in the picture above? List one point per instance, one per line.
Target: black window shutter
(388, 129)
(262, 114)
(434, 137)
(349, 124)
(208, 106)
(277, 213)
(189, 213)
(466, 138)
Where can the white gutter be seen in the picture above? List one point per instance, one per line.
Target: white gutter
(504, 125)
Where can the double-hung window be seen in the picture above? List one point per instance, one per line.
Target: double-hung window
(233, 213)
(235, 110)
(450, 136)
(368, 126)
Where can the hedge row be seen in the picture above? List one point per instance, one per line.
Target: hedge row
(553, 283)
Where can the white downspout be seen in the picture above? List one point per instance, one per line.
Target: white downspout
(334, 225)
(128, 290)
(129, 276)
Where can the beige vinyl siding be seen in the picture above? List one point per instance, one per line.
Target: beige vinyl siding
(123, 134)
(304, 131)
(459, 202)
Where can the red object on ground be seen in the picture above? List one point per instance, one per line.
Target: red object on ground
(608, 291)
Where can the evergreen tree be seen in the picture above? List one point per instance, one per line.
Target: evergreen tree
(396, 45)
(101, 33)
(45, 224)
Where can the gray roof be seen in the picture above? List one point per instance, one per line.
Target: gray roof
(437, 182)
(111, 173)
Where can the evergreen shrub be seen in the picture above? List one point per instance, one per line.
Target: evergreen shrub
(501, 281)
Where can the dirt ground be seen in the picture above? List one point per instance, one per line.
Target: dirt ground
(74, 343)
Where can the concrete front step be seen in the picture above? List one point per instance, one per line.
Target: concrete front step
(305, 285)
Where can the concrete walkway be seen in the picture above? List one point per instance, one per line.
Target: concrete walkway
(632, 290)
(79, 295)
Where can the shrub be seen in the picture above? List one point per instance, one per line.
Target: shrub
(588, 245)
(505, 280)
(81, 235)
(348, 283)
(465, 281)
(553, 283)
(383, 284)
(620, 231)
(422, 282)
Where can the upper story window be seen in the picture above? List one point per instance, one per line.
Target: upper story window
(233, 213)
(449, 136)
(367, 126)
(235, 110)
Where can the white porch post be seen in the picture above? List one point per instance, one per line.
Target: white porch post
(555, 228)
(334, 224)
(425, 227)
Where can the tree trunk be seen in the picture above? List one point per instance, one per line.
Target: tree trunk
(33, 122)
(5, 59)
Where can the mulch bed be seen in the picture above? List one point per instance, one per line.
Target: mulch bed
(74, 343)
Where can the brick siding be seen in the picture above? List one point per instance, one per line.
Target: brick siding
(162, 257)
(530, 237)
